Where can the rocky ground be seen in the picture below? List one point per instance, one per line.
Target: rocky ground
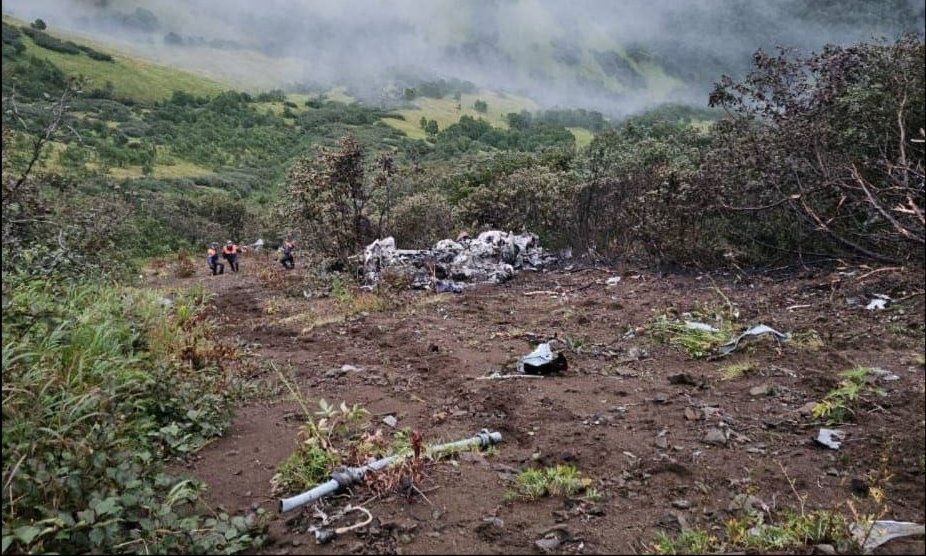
(668, 441)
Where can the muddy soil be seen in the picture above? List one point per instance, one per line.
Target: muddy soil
(615, 414)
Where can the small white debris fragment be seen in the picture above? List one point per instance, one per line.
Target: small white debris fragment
(703, 327)
(830, 438)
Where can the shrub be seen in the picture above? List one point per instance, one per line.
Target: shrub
(828, 149)
(101, 384)
(329, 198)
(537, 200)
(420, 220)
(45, 40)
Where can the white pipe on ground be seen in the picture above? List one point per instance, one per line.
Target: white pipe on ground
(353, 475)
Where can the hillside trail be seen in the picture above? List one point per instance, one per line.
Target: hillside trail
(620, 414)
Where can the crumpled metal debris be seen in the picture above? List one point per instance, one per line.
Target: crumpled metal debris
(755, 331)
(830, 438)
(448, 286)
(883, 531)
(703, 327)
(879, 302)
(494, 256)
(542, 361)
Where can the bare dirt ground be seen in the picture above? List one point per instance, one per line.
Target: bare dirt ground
(615, 414)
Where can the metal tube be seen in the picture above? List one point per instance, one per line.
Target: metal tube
(355, 474)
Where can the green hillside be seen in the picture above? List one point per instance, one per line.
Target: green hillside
(130, 77)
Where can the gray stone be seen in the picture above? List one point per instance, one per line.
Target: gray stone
(390, 420)
(548, 544)
(715, 436)
(681, 504)
(763, 390)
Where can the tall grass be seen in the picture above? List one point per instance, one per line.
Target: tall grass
(101, 384)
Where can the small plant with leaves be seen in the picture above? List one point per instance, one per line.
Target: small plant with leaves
(560, 480)
(836, 406)
(735, 371)
(685, 333)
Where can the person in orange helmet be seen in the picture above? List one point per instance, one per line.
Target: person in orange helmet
(230, 254)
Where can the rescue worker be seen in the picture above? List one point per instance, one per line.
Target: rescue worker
(287, 250)
(212, 258)
(230, 253)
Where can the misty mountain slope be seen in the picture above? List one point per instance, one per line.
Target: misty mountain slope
(617, 57)
(130, 77)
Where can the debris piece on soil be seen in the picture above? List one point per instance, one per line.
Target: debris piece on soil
(830, 438)
(755, 331)
(541, 361)
(493, 257)
(612, 281)
(324, 534)
(884, 531)
(448, 286)
(390, 420)
(878, 303)
(701, 326)
(681, 504)
(883, 375)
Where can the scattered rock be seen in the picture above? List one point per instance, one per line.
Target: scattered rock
(693, 414)
(859, 487)
(684, 379)
(681, 504)
(548, 544)
(612, 281)
(715, 436)
(824, 549)
(763, 390)
(662, 442)
(349, 369)
(390, 420)
(807, 409)
(673, 522)
(491, 529)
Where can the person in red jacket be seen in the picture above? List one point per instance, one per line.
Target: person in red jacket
(230, 254)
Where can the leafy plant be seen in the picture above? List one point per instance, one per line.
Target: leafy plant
(101, 385)
(689, 541)
(559, 480)
(835, 407)
(697, 342)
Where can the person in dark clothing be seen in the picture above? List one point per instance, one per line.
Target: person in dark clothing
(230, 253)
(212, 258)
(287, 250)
